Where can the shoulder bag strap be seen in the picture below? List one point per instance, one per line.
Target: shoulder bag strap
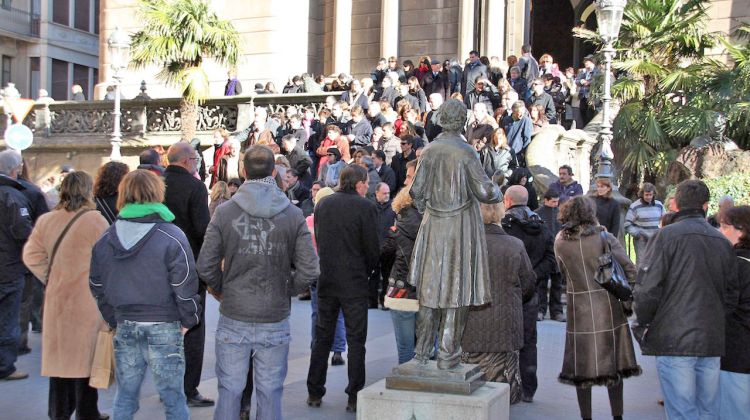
(746, 259)
(61, 237)
(605, 243)
(109, 214)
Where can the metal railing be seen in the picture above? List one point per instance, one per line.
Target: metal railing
(19, 21)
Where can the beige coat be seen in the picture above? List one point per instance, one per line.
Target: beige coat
(71, 317)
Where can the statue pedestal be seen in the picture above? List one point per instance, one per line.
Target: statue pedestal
(414, 376)
(490, 401)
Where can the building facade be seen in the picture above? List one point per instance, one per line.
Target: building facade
(50, 44)
(284, 38)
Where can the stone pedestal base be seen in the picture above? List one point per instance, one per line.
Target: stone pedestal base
(489, 402)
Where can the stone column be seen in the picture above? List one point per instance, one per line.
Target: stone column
(465, 29)
(495, 34)
(342, 36)
(389, 10)
(515, 27)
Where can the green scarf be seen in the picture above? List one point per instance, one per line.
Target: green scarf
(136, 210)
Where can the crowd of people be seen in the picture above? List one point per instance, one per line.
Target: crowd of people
(321, 206)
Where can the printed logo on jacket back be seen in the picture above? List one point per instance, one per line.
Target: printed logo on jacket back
(254, 236)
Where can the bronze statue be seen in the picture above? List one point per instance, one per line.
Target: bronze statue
(449, 263)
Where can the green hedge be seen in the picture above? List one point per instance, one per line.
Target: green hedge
(736, 185)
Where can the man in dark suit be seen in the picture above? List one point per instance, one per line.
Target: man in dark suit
(187, 198)
(437, 81)
(347, 238)
(385, 172)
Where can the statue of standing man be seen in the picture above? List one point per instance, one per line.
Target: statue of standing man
(449, 263)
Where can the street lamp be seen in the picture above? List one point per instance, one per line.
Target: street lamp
(609, 17)
(118, 44)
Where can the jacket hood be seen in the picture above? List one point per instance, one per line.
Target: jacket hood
(529, 221)
(128, 236)
(260, 199)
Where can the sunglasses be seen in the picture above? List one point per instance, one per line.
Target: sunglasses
(331, 154)
(404, 144)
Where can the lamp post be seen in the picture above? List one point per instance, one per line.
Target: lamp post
(609, 17)
(118, 44)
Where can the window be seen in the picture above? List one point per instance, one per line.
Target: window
(6, 70)
(61, 12)
(59, 80)
(6, 4)
(82, 14)
(34, 77)
(81, 77)
(96, 16)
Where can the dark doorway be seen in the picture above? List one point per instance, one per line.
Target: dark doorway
(552, 22)
(586, 17)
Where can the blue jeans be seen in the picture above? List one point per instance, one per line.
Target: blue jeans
(690, 386)
(268, 345)
(339, 340)
(157, 345)
(10, 331)
(404, 324)
(735, 395)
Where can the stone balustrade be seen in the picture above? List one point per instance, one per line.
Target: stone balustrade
(79, 133)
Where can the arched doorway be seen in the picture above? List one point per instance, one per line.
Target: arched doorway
(552, 22)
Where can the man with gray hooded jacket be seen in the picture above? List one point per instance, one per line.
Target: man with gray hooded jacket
(259, 235)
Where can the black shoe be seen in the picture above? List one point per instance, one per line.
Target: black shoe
(351, 407)
(199, 400)
(244, 414)
(305, 295)
(337, 360)
(24, 350)
(103, 416)
(559, 318)
(314, 401)
(527, 399)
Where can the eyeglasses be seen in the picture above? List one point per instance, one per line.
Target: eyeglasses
(404, 143)
(330, 154)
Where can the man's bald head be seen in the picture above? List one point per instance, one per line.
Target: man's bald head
(516, 195)
(179, 152)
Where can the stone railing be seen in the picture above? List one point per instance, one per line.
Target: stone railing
(143, 117)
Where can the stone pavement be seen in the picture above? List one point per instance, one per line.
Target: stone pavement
(27, 399)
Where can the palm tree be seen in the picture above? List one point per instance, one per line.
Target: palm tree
(178, 35)
(670, 89)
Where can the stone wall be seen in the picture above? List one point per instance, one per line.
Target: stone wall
(365, 36)
(428, 27)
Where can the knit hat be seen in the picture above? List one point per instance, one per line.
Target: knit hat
(322, 193)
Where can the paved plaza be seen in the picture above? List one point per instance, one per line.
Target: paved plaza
(27, 399)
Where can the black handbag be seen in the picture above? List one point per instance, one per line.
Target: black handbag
(610, 275)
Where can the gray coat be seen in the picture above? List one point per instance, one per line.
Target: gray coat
(260, 236)
(449, 263)
(498, 327)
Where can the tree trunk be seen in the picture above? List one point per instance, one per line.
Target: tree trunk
(189, 118)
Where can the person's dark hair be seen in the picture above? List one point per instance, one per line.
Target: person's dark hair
(646, 187)
(518, 173)
(350, 176)
(739, 217)
(578, 212)
(319, 183)
(691, 194)
(526, 48)
(474, 52)
(570, 170)
(484, 60)
(380, 154)
(108, 178)
(551, 194)
(408, 63)
(149, 157)
(296, 79)
(409, 140)
(293, 172)
(235, 181)
(259, 162)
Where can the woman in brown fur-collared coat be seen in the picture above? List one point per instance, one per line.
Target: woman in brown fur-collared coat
(71, 318)
(598, 343)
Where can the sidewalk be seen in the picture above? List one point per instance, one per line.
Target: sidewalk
(27, 399)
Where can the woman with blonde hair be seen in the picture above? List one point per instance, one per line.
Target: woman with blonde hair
(144, 281)
(58, 253)
(399, 243)
(220, 194)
